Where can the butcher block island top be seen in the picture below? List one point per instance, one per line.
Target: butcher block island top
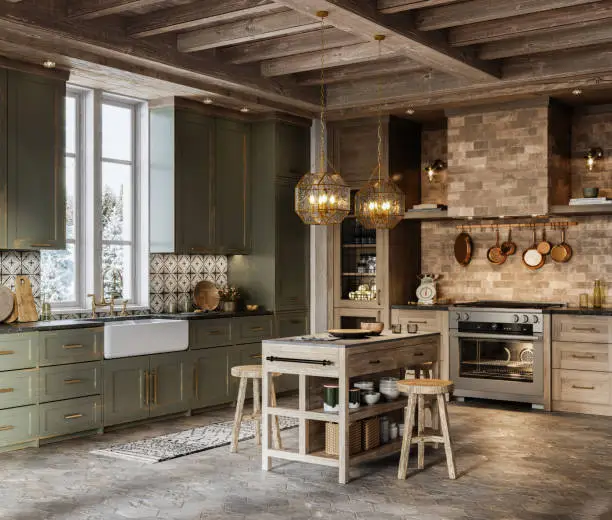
(343, 362)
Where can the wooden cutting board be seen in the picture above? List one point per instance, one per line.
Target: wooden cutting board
(26, 307)
(7, 303)
(15, 314)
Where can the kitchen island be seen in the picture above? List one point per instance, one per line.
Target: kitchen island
(341, 361)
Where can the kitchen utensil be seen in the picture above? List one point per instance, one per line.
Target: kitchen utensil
(544, 246)
(375, 328)
(562, 252)
(331, 398)
(354, 398)
(206, 295)
(509, 247)
(25, 300)
(495, 254)
(349, 333)
(463, 248)
(15, 314)
(372, 398)
(532, 258)
(7, 302)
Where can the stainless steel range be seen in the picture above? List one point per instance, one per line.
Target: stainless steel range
(497, 350)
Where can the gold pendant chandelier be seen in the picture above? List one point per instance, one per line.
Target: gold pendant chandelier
(380, 204)
(322, 197)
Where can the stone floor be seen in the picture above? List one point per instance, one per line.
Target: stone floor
(512, 465)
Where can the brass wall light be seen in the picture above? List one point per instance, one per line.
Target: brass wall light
(433, 168)
(592, 156)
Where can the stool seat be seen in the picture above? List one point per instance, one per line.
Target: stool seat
(249, 371)
(425, 386)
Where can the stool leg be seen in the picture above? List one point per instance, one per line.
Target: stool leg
(450, 461)
(238, 416)
(409, 412)
(275, 426)
(435, 419)
(257, 410)
(421, 432)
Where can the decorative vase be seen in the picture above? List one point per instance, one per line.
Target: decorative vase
(331, 398)
(229, 306)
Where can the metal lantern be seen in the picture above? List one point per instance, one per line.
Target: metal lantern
(380, 204)
(322, 199)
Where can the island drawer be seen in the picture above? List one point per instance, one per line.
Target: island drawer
(582, 387)
(372, 362)
(581, 356)
(18, 388)
(210, 333)
(71, 346)
(582, 329)
(70, 381)
(18, 425)
(72, 416)
(252, 328)
(294, 359)
(429, 321)
(18, 351)
(417, 355)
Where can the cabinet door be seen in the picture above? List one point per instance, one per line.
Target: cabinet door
(125, 393)
(194, 145)
(291, 251)
(210, 377)
(170, 383)
(36, 206)
(293, 150)
(232, 187)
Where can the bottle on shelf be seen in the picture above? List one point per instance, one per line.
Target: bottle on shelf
(597, 294)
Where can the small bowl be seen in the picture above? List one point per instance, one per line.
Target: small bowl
(590, 192)
(364, 385)
(390, 394)
(375, 328)
(252, 307)
(372, 398)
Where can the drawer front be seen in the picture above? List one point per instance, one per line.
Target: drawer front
(582, 387)
(581, 356)
(291, 324)
(71, 346)
(18, 388)
(254, 328)
(425, 320)
(18, 351)
(70, 381)
(210, 333)
(18, 425)
(416, 355)
(582, 329)
(372, 362)
(72, 416)
(294, 359)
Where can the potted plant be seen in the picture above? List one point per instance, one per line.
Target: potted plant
(229, 297)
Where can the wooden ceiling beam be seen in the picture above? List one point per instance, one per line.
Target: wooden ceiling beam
(195, 15)
(475, 11)
(288, 46)
(546, 21)
(399, 6)
(242, 31)
(88, 9)
(593, 34)
(363, 19)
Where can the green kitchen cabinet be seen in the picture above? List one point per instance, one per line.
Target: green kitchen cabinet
(32, 173)
(211, 383)
(170, 383)
(126, 390)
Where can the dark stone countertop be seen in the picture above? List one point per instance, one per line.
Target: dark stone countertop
(41, 326)
(210, 315)
(606, 311)
(418, 307)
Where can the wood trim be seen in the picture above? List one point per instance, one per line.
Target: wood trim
(400, 6)
(88, 9)
(537, 102)
(58, 74)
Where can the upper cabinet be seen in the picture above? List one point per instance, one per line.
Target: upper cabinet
(32, 182)
(199, 187)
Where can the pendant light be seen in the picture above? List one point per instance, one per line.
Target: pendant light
(322, 197)
(380, 204)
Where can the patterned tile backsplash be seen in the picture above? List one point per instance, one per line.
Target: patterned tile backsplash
(15, 263)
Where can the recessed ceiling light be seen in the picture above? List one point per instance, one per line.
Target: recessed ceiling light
(577, 91)
(244, 110)
(49, 64)
(208, 101)
(410, 111)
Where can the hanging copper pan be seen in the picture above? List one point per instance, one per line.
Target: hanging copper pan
(509, 247)
(562, 252)
(544, 246)
(495, 254)
(532, 258)
(463, 248)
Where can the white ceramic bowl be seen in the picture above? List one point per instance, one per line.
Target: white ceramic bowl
(390, 394)
(372, 398)
(364, 385)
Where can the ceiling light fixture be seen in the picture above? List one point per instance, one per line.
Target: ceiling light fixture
(410, 111)
(49, 64)
(322, 197)
(433, 168)
(208, 101)
(380, 204)
(577, 91)
(244, 110)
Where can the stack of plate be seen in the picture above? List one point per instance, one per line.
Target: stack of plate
(388, 388)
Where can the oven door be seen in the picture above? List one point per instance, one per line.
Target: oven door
(497, 366)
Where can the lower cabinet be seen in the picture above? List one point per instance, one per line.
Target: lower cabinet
(70, 416)
(170, 381)
(18, 426)
(210, 377)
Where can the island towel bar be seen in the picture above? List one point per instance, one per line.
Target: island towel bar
(323, 362)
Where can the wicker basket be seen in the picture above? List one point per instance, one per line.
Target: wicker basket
(332, 433)
(371, 433)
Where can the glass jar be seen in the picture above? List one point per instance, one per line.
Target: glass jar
(597, 294)
(371, 261)
(384, 429)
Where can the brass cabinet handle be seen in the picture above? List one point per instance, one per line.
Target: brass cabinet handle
(72, 381)
(587, 356)
(70, 347)
(155, 384)
(6, 390)
(41, 245)
(6, 428)
(418, 322)
(585, 329)
(375, 362)
(255, 356)
(257, 329)
(215, 332)
(577, 387)
(73, 416)
(196, 382)
(378, 297)
(6, 352)
(419, 354)
(147, 387)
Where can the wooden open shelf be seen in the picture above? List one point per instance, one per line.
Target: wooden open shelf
(358, 274)
(357, 414)
(363, 456)
(586, 209)
(429, 214)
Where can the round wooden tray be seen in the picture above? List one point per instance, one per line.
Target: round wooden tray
(206, 296)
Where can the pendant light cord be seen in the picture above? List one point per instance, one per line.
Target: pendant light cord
(379, 38)
(322, 15)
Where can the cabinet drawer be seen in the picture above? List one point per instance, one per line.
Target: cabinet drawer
(70, 381)
(581, 356)
(583, 329)
(18, 388)
(72, 416)
(18, 425)
(71, 346)
(424, 320)
(582, 387)
(252, 328)
(210, 333)
(291, 324)
(372, 362)
(416, 355)
(18, 351)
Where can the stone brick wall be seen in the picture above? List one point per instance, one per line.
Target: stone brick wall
(434, 146)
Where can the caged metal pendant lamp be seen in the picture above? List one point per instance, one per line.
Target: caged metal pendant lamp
(322, 197)
(380, 204)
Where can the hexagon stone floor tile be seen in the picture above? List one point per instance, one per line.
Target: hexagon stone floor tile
(512, 465)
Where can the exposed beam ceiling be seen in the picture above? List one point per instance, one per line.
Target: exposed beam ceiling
(483, 10)
(252, 29)
(399, 6)
(195, 15)
(365, 20)
(88, 9)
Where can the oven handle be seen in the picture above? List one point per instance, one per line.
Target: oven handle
(470, 335)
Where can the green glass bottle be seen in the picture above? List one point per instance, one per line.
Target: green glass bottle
(597, 294)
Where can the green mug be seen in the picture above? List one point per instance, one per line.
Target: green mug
(354, 397)
(331, 398)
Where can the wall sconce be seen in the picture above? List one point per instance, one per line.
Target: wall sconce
(592, 156)
(433, 168)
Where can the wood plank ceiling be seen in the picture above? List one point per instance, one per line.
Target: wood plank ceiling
(265, 54)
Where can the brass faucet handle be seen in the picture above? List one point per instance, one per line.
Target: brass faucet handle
(112, 305)
(124, 307)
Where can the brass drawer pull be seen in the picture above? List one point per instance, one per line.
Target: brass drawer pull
(255, 356)
(588, 356)
(215, 332)
(257, 329)
(155, 385)
(375, 362)
(6, 428)
(41, 245)
(585, 329)
(419, 354)
(6, 352)
(196, 382)
(577, 387)
(6, 390)
(73, 416)
(418, 322)
(72, 381)
(70, 347)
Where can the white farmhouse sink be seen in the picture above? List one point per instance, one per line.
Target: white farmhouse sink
(144, 337)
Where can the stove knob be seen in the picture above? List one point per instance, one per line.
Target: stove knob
(466, 316)
(458, 316)
(525, 318)
(536, 319)
(516, 318)
(494, 326)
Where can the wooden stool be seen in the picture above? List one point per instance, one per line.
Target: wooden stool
(426, 371)
(417, 389)
(246, 372)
